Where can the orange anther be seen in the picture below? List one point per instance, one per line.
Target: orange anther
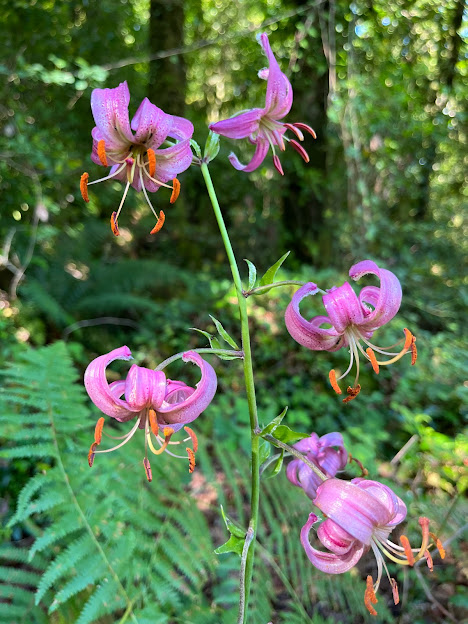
(84, 186)
(151, 162)
(408, 552)
(153, 422)
(101, 152)
(193, 437)
(160, 223)
(91, 454)
(168, 431)
(114, 224)
(408, 339)
(334, 383)
(429, 561)
(414, 351)
(396, 595)
(175, 190)
(373, 360)
(191, 458)
(98, 431)
(147, 466)
(352, 393)
(369, 596)
(439, 546)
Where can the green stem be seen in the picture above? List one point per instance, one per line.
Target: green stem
(296, 453)
(113, 573)
(247, 566)
(177, 356)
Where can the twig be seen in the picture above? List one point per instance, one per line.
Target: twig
(103, 320)
(404, 449)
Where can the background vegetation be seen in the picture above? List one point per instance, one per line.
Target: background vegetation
(383, 83)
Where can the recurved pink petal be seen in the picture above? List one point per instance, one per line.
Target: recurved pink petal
(117, 389)
(343, 307)
(239, 126)
(309, 333)
(261, 150)
(326, 561)
(308, 445)
(110, 111)
(332, 460)
(332, 439)
(191, 406)
(144, 388)
(279, 94)
(151, 125)
(352, 508)
(169, 163)
(380, 491)
(181, 128)
(387, 304)
(98, 389)
(334, 537)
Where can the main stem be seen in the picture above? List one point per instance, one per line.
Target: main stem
(249, 386)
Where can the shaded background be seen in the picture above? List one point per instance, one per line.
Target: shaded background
(383, 84)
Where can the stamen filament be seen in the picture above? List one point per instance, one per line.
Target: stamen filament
(108, 177)
(127, 438)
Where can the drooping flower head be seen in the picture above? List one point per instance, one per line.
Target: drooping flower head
(262, 126)
(134, 150)
(353, 320)
(158, 404)
(327, 453)
(361, 514)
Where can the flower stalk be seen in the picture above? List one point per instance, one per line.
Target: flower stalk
(247, 562)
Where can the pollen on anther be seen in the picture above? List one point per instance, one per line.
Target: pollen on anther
(407, 548)
(91, 454)
(98, 431)
(149, 474)
(439, 545)
(408, 339)
(333, 382)
(396, 595)
(369, 596)
(175, 190)
(414, 351)
(373, 360)
(101, 151)
(193, 437)
(84, 186)
(160, 223)
(168, 431)
(114, 224)
(151, 162)
(191, 457)
(153, 422)
(352, 393)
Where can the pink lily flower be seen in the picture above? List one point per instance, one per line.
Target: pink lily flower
(133, 150)
(353, 320)
(262, 126)
(155, 402)
(327, 453)
(361, 514)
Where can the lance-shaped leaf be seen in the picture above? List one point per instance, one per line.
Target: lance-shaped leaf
(223, 333)
(270, 274)
(236, 540)
(252, 273)
(215, 344)
(274, 423)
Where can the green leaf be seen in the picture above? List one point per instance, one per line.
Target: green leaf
(269, 276)
(278, 465)
(223, 333)
(231, 526)
(252, 273)
(215, 344)
(234, 544)
(284, 434)
(274, 423)
(211, 147)
(264, 451)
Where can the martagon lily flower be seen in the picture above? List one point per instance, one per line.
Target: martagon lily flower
(360, 515)
(328, 453)
(353, 320)
(158, 404)
(262, 126)
(134, 150)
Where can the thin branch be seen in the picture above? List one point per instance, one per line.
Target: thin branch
(102, 320)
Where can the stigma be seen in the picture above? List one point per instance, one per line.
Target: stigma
(354, 338)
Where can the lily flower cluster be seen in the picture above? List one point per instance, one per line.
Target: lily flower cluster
(135, 151)
(262, 126)
(353, 319)
(155, 403)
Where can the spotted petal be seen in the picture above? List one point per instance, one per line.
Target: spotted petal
(309, 333)
(239, 126)
(328, 562)
(279, 95)
(343, 307)
(101, 394)
(110, 111)
(386, 300)
(151, 125)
